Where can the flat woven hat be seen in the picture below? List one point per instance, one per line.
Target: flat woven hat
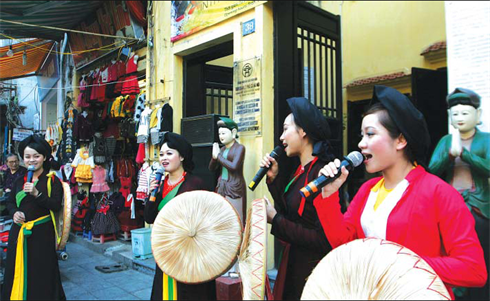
(373, 269)
(63, 218)
(196, 237)
(252, 260)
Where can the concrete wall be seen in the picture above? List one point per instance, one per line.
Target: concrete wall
(382, 37)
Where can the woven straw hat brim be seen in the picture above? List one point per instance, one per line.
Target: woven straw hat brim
(373, 269)
(252, 260)
(63, 217)
(196, 237)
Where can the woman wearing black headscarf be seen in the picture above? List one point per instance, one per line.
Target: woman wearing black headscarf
(32, 270)
(293, 218)
(406, 205)
(176, 158)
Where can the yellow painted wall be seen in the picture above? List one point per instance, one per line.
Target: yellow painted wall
(384, 36)
(381, 37)
(168, 59)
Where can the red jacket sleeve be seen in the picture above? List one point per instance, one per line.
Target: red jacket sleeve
(339, 228)
(464, 264)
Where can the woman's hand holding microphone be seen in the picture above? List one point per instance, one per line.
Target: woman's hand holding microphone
(268, 161)
(329, 171)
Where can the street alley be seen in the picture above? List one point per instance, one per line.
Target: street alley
(81, 281)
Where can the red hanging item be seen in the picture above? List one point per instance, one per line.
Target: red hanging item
(140, 157)
(138, 11)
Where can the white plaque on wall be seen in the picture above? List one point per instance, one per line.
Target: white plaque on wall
(468, 51)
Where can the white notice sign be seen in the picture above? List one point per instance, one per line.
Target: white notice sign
(247, 96)
(21, 134)
(468, 50)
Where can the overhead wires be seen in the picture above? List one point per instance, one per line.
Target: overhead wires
(105, 48)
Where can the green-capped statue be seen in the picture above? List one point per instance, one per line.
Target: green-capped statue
(463, 160)
(230, 158)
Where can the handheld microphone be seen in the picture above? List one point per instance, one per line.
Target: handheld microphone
(158, 176)
(263, 170)
(352, 160)
(30, 173)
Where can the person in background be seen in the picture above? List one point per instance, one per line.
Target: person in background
(13, 172)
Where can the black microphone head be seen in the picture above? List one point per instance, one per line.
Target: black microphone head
(31, 168)
(277, 151)
(356, 158)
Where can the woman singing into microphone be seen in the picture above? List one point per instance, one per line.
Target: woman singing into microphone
(406, 205)
(176, 158)
(294, 219)
(32, 270)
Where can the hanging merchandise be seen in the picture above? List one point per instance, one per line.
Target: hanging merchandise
(131, 85)
(133, 207)
(155, 123)
(142, 191)
(128, 105)
(125, 187)
(105, 134)
(127, 128)
(110, 172)
(112, 131)
(121, 71)
(110, 146)
(82, 98)
(53, 134)
(144, 126)
(117, 108)
(99, 180)
(81, 212)
(82, 129)
(68, 144)
(140, 106)
(167, 120)
(125, 168)
(99, 149)
(104, 221)
(66, 171)
(84, 165)
(140, 156)
(94, 93)
(103, 79)
(111, 80)
(117, 201)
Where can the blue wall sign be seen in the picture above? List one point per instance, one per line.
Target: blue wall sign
(248, 27)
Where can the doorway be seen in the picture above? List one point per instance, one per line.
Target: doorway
(429, 91)
(208, 94)
(208, 81)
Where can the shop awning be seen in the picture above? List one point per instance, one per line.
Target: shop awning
(12, 67)
(60, 14)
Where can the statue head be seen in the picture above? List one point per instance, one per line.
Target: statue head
(227, 130)
(464, 109)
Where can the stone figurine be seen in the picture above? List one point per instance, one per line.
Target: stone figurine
(463, 160)
(229, 159)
